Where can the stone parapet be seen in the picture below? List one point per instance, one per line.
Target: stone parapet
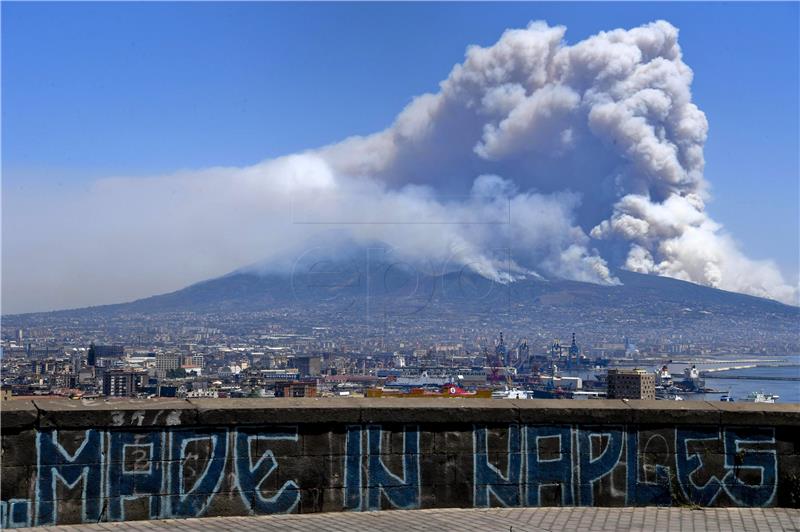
(66, 461)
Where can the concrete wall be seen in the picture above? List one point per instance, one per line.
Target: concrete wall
(71, 461)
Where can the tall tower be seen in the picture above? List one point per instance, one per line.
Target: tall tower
(91, 356)
(573, 348)
(555, 349)
(574, 352)
(76, 362)
(502, 351)
(523, 353)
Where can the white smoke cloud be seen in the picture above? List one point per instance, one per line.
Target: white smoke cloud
(609, 118)
(132, 237)
(677, 239)
(553, 150)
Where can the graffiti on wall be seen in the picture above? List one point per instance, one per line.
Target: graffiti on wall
(742, 464)
(160, 467)
(368, 479)
(179, 472)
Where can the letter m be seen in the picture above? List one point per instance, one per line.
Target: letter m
(57, 465)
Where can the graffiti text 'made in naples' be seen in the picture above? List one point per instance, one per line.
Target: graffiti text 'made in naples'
(139, 473)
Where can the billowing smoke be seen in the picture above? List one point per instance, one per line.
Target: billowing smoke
(609, 119)
(534, 158)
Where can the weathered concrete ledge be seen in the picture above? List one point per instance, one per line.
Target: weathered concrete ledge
(66, 461)
(65, 413)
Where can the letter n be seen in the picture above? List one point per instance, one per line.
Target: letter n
(488, 478)
(401, 492)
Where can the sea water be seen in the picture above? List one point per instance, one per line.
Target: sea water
(787, 390)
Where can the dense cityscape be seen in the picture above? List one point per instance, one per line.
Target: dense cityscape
(297, 352)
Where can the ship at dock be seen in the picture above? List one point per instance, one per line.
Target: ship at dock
(692, 380)
(760, 397)
(664, 378)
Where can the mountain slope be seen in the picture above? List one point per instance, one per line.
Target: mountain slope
(406, 304)
(248, 291)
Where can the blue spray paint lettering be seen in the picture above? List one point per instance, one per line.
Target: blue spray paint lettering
(192, 502)
(352, 469)
(401, 492)
(15, 513)
(688, 463)
(57, 465)
(134, 471)
(178, 472)
(250, 476)
(739, 455)
(593, 468)
(488, 479)
(640, 492)
(548, 471)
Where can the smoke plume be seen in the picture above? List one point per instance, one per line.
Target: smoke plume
(534, 157)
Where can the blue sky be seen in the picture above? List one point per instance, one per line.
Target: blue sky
(98, 89)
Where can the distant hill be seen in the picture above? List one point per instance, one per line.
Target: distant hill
(342, 295)
(252, 291)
